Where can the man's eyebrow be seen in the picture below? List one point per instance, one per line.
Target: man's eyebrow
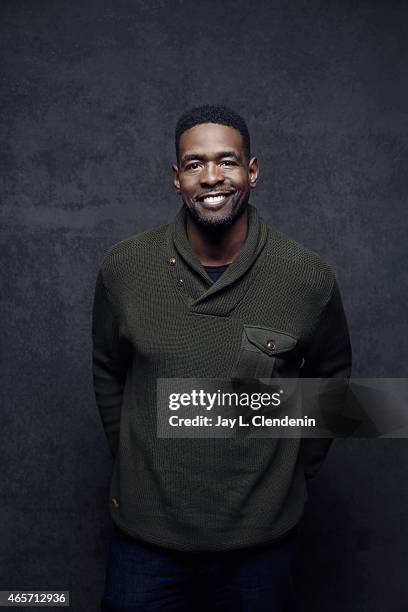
(192, 156)
(229, 154)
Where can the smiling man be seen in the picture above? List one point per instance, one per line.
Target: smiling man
(214, 173)
(214, 176)
(216, 294)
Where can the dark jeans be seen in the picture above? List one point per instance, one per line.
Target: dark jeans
(142, 577)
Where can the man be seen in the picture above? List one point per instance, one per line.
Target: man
(216, 294)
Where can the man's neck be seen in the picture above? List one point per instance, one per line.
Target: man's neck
(217, 247)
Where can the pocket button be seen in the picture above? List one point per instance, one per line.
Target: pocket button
(271, 344)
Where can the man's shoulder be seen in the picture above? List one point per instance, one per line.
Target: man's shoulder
(299, 259)
(135, 246)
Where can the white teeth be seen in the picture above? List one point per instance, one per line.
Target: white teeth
(210, 199)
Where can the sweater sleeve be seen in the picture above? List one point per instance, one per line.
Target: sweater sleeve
(328, 356)
(109, 363)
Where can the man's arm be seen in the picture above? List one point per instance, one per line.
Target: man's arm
(110, 362)
(328, 356)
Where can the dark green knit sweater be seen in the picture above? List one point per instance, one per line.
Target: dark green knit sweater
(157, 314)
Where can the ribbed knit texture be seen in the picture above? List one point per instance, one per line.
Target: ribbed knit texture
(207, 494)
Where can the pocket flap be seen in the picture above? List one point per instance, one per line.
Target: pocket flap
(270, 341)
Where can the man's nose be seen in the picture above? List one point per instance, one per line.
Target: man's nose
(211, 174)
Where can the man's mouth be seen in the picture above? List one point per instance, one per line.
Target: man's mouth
(214, 198)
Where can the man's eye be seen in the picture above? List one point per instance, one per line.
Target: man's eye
(192, 166)
(228, 162)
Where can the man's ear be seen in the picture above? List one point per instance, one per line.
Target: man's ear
(176, 178)
(253, 170)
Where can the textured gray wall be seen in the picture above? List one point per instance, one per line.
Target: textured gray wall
(90, 95)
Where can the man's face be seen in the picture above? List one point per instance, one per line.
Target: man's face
(213, 174)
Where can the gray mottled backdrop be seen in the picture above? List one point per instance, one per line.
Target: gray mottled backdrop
(90, 95)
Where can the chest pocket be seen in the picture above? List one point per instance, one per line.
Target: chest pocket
(266, 352)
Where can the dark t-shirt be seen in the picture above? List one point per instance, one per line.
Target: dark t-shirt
(214, 272)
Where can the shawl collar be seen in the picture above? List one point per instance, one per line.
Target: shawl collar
(202, 295)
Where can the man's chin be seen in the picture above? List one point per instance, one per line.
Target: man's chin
(217, 219)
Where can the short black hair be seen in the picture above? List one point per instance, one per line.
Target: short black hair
(210, 113)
